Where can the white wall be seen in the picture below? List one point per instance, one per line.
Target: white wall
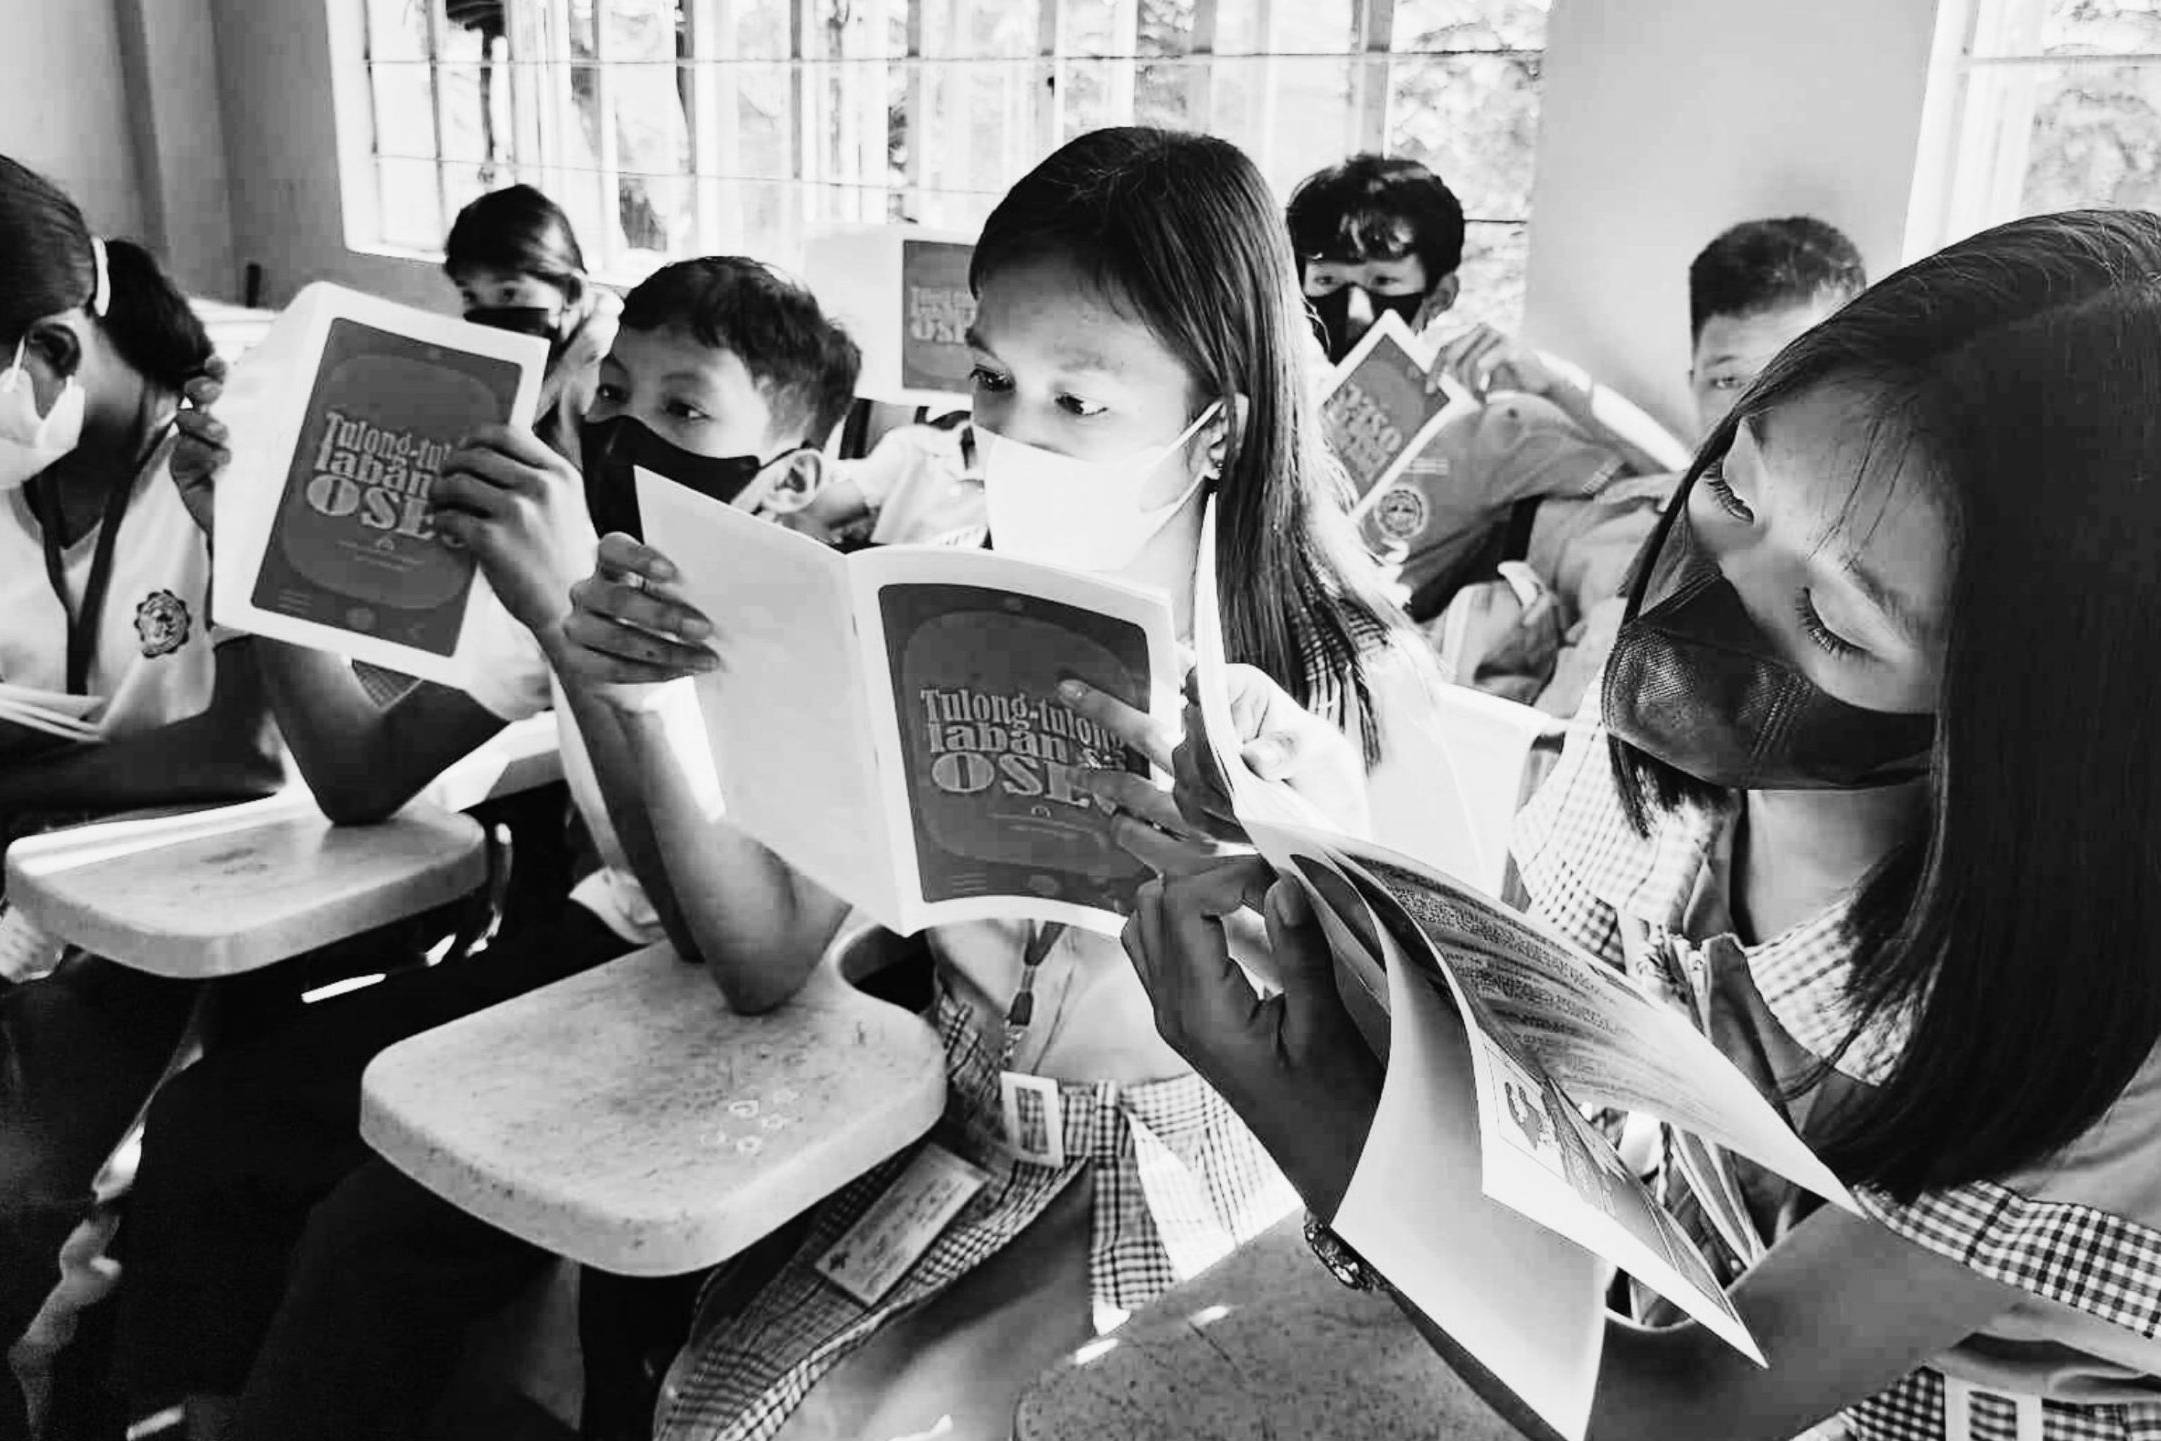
(1664, 121)
(282, 155)
(169, 64)
(63, 106)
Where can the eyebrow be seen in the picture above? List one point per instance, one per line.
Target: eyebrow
(1071, 359)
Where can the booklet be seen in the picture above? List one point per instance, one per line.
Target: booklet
(1383, 403)
(1483, 1196)
(888, 721)
(48, 715)
(340, 418)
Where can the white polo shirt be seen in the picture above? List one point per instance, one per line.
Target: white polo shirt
(153, 660)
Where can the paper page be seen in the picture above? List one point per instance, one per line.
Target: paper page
(1600, 1034)
(1539, 1157)
(1377, 411)
(962, 652)
(1525, 1301)
(82, 708)
(340, 420)
(785, 713)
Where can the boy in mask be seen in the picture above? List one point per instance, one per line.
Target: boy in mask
(722, 376)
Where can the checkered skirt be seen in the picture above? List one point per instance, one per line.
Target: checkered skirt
(1178, 1181)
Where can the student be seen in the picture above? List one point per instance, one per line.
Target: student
(1375, 234)
(1877, 749)
(517, 266)
(104, 590)
(1540, 632)
(717, 360)
(1135, 348)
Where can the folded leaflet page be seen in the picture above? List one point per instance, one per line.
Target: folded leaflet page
(1540, 1158)
(962, 653)
(342, 421)
(785, 712)
(1526, 1302)
(1600, 1034)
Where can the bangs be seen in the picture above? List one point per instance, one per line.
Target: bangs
(1362, 235)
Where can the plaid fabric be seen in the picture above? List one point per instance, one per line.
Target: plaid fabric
(1585, 869)
(1178, 1181)
(1913, 1410)
(2074, 1255)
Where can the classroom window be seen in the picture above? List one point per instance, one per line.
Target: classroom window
(679, 127)
(2052, 105)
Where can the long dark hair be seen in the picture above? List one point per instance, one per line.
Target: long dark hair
(520, 230)
(47, 266)
(1181, 231)
(2017, 937)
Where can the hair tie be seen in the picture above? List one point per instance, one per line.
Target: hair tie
(101, 290)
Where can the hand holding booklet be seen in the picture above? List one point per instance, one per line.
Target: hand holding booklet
(1483, 1196)
(888, 722)
(1383, 403)
(341, 417)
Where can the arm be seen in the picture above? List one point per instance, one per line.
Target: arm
(758, 926)
(1486, 359)
(1842, 1307)
(224, 753)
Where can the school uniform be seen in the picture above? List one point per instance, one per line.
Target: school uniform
(1171, 1179)
(2078, 1354)
(82, 1044)
(253, 1157)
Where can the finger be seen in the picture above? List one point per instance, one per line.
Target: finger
(459, 490)
(1201, 794)
(626, 643)
(1124, 792)
(518, 443)
(1167, 855)
(471, 531)
(203, 391)
(625, 555)
(1136, 728)
(1142, 930)
(200, 425)
(495, 467)
(1212, 992)
(649, 610)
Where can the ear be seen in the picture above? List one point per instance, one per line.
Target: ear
(573, 288)
(55, 342)
(1225, 434)
(803, 473)
(1441, 298)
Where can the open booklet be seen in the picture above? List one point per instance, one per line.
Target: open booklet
(1382, 404)
(29, 715)
(888, 722)
(341, 417)
(1483, 1195)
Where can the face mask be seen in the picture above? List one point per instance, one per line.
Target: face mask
(616, 448)
(1079, 514)
(1332, 316)
(29, 442)
(1694, 682)
(537, 320)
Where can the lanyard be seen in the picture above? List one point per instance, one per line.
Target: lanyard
(1022, 1010)
(83, 620)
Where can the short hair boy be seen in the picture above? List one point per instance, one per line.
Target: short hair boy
(1373, 234)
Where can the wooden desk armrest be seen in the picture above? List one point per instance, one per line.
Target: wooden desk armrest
(522, 756)
(627, 1119)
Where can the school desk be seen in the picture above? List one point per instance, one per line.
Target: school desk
(1264, 1343)
(627, 1119)
(235, 888)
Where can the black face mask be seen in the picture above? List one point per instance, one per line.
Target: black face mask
(616, 448)
(522, 319)
(1696, 683)
(1332, 316)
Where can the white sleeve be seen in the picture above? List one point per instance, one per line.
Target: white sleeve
(506, 670)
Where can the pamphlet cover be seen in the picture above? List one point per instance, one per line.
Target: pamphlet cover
(1381, 407)
(341, 420)
(902, 293)
(888, 721)
(936, 309)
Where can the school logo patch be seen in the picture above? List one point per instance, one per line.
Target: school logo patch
(161, 623)
(1400, 513)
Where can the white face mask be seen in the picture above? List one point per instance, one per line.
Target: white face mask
(29, 442)
(1080, 514)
